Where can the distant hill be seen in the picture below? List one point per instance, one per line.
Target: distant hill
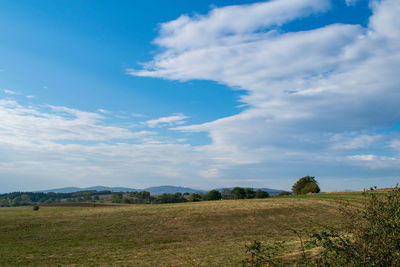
(169, 189)
(97, 188)
(157, 190)
(271, 191)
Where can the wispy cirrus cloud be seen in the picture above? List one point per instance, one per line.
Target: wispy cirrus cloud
(9, 92)
(21, 124)
(169, 121)
(56, 145)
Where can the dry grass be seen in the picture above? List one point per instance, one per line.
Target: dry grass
(203, 233)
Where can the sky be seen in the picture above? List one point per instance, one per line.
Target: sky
(204, 94)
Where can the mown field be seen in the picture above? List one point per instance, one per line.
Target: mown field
(211, 233)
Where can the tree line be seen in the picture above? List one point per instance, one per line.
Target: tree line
(144, 197)
(29, 198)
(136, 197)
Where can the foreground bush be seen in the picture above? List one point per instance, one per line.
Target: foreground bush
(370, 237)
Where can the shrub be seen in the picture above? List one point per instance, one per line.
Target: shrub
(258, 254)
(372, 237)
(35, 207)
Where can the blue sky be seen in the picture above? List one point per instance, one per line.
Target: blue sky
(199, 93)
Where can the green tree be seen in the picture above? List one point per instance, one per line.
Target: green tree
(310, 188)
(304, 185)
(213, 195)
(194, 197)
(238, 193)
(261, 194)
(250, 193)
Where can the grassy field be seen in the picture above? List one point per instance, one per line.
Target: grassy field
(209, 233)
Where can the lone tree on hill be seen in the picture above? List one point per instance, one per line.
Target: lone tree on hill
(305, 185)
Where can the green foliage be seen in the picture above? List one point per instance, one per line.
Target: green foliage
(29, 198)
(213, 195)
(170, 198)
(258, 254)
(238, 193)
(250, 193)
(194, 197)
(35, 207)
(261, 194)
(310, 188)
(305, 185)
(140, 197)
(372, 236)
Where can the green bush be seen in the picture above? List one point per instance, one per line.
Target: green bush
(35, 207)
(259, 254)
(372, 236)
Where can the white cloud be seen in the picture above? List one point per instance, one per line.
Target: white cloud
(223, 26)
(57, 146)
(395, 144)
(21, 124)
(306, 90)
(169, 121)
(373, 161)
(343, 141)
(10, 92)
(313, 99)
(138, 115)
(104, 111)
